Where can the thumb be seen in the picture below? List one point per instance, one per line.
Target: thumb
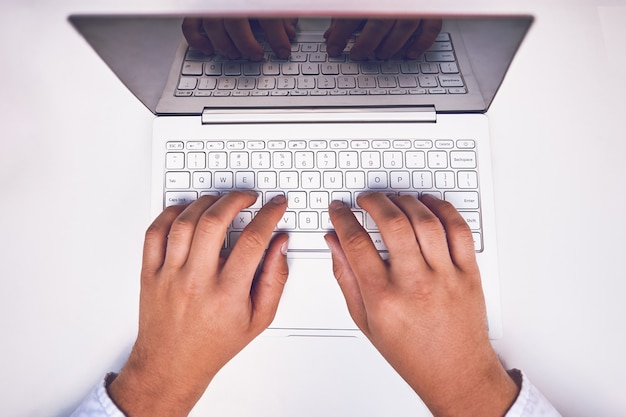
(268, 287)
(347, 281)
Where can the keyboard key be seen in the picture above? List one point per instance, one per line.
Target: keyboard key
(241, 220)
(177, 180)
(201, 179)
(244, 180)
(467, 179)
(287, 222)
(377, 180)
(437, 159)
(308, 220)
(462, 199)
(174, 198)
(463, 159)
(175, 160)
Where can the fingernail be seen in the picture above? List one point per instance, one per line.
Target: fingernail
(336, 205)
(284, 248)
(250, 192)
(279, 199)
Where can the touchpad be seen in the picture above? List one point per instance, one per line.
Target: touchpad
(312, 298)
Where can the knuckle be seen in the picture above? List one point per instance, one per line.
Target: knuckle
(252, 238)
(357, 240)
(209, 222)
(395, 222)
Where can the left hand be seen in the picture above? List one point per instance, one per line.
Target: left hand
(382, 38)
(197, 309)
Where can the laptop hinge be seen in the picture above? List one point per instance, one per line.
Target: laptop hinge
(421, 114)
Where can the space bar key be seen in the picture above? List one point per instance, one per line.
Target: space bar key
(307, 242)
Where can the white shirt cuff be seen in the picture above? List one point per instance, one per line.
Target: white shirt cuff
(530, 402)
(98, 403)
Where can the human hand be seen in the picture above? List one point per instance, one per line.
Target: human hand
(382, 37)
(423, 308)
(234, 38)
(197, 309)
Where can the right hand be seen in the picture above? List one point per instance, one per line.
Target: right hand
(234, 39)
(383, 38)
(423, 309)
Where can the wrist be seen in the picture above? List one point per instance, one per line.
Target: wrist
(139, 394)
(486, 392)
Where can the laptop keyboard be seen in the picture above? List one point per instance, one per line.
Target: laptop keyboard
(311, 72)
(312, 173)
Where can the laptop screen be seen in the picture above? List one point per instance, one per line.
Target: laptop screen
(185, 64)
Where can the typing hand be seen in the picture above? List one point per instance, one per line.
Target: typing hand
(382, 38)
(423, 309)
(234, 37)
(197, 310)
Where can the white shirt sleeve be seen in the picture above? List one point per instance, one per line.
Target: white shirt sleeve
(98, 403)
(530, 402)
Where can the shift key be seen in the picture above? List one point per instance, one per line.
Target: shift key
(462, 199)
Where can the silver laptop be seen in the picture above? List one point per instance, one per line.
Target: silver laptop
(318, 128)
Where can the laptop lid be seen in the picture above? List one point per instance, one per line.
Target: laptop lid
(146, 53)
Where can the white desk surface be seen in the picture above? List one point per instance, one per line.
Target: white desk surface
(71, 229)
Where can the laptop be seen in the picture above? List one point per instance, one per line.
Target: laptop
(317, 128)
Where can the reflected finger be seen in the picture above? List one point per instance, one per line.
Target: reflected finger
(194, 34)
(401, 32)
(426, 35)
(339, 33)
(216, 32)
(241, 35)
(372, 35)
(277, 37)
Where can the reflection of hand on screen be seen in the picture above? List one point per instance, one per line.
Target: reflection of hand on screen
(382, 38)
(234, 38)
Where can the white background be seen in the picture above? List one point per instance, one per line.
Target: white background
(74, 201)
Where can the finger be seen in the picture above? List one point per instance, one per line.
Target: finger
(268, 287)
(372, 35)
(459, 235)
(428, 229)
(211, 227)
(155, 242)
(360, 252)
(192, 30)
(402, 31)
(277, 37)
(339, 33)
(426, 35)
(394, 226)
(182, 231)
(290, 27)
(216, 32)
(241, 35)
(250, 247)
(347, 282)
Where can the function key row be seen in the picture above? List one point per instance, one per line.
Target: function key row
(197, 145)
